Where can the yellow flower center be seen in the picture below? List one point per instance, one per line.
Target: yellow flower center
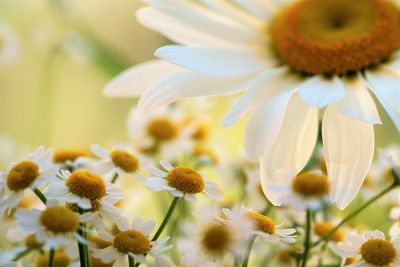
(63, 155)
(285, 256)
(350, 261)
(336, 36)
(132, 241)
(378, 252)
(311, 184)
(321, 228)
(59, 219)
(86, 184)
(162, 129)
(61, 259)
(263, 223)
(96, 205)
(186, 180)
(125, 160)
(32, 242)
(217, 239)
(201, 132)
(99, 242)
(22, 175)
(202, 151)
(95, 262)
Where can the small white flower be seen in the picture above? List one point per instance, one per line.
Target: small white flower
(32, 173)
(370, 249)
(138, 245)
(182, 181)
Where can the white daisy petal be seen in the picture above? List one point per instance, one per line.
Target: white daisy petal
(156, 172)
(348, 150)
(166, 165)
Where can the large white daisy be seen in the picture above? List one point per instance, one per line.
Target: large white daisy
(290, 58)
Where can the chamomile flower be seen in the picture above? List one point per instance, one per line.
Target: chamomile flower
(182, 181)
(320, 228)
(31, 173)
(290, 58)
(55, 226)
(71, 159)
(87, 191)
(308, 190)
(130, 239)
(263, 226)
(63, 257)
(370, 249)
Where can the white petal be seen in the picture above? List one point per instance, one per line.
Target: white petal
(156, 171)
(99, 151)
(213, 62)
(188, 84)
(358, 103)
(123, 224)
(319, 91)
(348, 150)
(386, 88)
(292, 148)
(253, 7)
(166, 165)
(135, 80)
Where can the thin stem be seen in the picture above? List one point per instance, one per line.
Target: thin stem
(82, 247)
(307, 238)
(51, 257)
(354, 213)
(22, 254)
(114, 179)
(40, 195)
(131, 261)
(248, 250)
(166, 218)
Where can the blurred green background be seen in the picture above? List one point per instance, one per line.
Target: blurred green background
(68, 50)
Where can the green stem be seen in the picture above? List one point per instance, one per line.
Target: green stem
(114, 179)
(51, 257)
(166, 218)
(307, 238)
(83, 248)
(354, 213)
(40, 195)
(248, 250)
(131, 261)
(22, 254)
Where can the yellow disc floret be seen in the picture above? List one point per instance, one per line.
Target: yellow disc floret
(321, 228)
(336, 36)
(61, 259)
(32, 243)
(99, 242)
(378, 252)
(162, 129)
(263, 223)
(132, 241)
(125, 160)
(22, 175)
(202, 151)
(95, 262)
(216, 239)
(186, 180)
(311, 184)
(86, 184)
(63, 155)
(59, 219)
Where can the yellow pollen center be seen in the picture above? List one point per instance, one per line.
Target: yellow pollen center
(125, 160)
(61, 259)
(186, 180)
(132, 241)
(336, 36)
(217, 239)
(32, 242)
(96, 205)
(22, 175)
(59, 219)
(95, 262)
(321, 228)
(162, 129)
(263, 223)
(378, 252)
(202, 151)
(63, 155)
(201, 132)
(86, 184)
(99, 242)
(310, 184)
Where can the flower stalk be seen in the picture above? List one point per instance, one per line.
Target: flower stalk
(166, 219)
(307, 238)
(51, 257)
(248, 250)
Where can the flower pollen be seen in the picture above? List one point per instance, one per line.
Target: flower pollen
(186, 180)
(59, 219)
(125, 160)
(216, 239)
(63, 155)
(61, 259)
(321, 228)
(22, 175)
(86, 184)
(32, 243)
(263, 223)
(162, 129)
(132, 241)
(311, 184)
(378, 252)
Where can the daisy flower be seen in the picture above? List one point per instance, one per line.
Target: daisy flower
(31, 173)
(369, 249)
(308, 190)
(290, 58)
(182, 181)
(88, 191)
(55, 226)
(70, 159)
(61, 258)
(9, 45)
(263, 226)
(130, 240)
(320, 228)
